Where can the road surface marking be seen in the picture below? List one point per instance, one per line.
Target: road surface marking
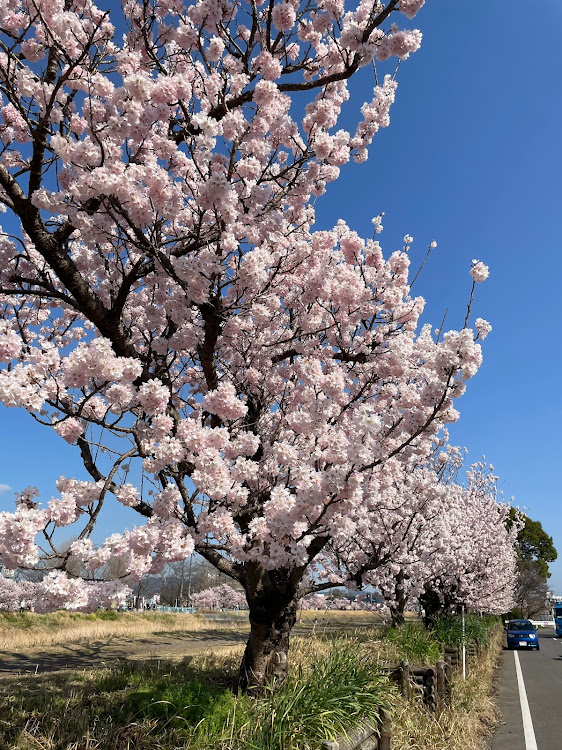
(530, 740)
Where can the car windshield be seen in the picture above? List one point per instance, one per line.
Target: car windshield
(521, 625)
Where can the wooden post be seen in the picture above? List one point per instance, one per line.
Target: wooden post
(386, 731)
(405, 679)
(441, 678)
(429, 688)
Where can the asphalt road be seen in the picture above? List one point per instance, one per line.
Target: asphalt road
(540, 681)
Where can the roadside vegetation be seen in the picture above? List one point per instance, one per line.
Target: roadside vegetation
(465, 723)
(334, 683)
(478, 630)
(331, 687)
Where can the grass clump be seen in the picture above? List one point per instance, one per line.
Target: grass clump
(323, 700)
(448, 630)
(413, 642)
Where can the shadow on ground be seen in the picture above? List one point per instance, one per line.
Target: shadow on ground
(104, 653)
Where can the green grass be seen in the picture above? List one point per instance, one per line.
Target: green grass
(330, 697)
(448, 630)
(414, 642)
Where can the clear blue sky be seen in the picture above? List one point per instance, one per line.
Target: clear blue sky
(472, 159)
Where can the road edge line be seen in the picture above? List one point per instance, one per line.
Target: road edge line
(530, 739)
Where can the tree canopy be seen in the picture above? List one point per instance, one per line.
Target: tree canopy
(533, 544)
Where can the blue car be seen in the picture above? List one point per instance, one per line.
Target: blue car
(522, 634)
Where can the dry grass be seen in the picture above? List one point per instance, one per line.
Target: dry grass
(465, 724)
(339, 616)
(358, 617)
(62, 628)
(30, 631)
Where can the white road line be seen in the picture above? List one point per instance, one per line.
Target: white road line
(530, 740)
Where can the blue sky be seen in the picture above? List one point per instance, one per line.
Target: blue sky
(472, 159)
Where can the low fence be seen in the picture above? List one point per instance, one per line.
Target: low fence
(430, 683)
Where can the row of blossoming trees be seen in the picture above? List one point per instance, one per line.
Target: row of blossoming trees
(168, 307)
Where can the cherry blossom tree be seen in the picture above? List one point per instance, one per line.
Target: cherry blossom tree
(168, 307)
(462, 553)
(314, 601)
(16, 595)
(429, 537)
(476, 565)
(360, 603)
(219, 597)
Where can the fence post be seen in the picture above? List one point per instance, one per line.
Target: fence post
(405, 679)
(441, 678)
(429, 688)
(386, 731)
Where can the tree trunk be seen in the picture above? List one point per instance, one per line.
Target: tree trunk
(436, 604)
(398, 608)
(273, 612)
(432, 606)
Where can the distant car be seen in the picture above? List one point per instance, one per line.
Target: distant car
(522, 634)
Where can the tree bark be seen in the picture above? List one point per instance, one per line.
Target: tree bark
(398, 608)
(273, 605)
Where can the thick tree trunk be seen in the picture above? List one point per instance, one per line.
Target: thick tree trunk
(266, 656)
(273, 612)
(432, 606)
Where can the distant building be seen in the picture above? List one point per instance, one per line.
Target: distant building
(5, 572)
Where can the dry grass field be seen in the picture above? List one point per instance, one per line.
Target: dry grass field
(30, 631)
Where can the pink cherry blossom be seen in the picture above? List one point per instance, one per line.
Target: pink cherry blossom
(479, 271)
(70, 429)
(219, 597)
(16, 595)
